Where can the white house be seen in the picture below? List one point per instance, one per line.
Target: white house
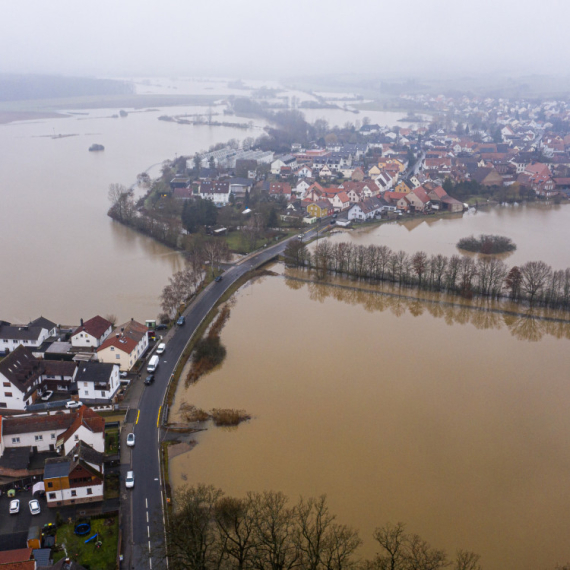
(218, 191)
(279, 163)
(20, 377)
(301, 189)
(126, 346)
(91, 333)
(97, 380)
(76, 478)
(52, 432)
(366, 209)
(31, 335)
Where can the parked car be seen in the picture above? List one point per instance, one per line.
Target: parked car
(149, 379)
(47, 396)
(130, 480)
(181, 321)
(72, 404)
(161, 327)
(14, 506)
(300, 236)
(160, 348)
(34, 505)
(218, 279)
(131, 440)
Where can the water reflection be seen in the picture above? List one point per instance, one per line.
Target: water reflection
(524, 324)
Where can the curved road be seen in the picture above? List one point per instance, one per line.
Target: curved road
(146, 529)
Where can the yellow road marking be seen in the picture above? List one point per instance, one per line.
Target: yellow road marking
(158, 419)
(138, 414)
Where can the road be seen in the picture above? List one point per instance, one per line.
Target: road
(146, 497)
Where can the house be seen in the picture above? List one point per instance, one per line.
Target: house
(277, 189)
(438, 194)
(319, 209)
(402, 187)
(218, 191)
(487, 177)
(58, 376)
(54, 432)
(366, 209)
(286, 160)
(397, 199)
(21, 376)
(325, 172)
(357, 174)
(314, 192)
(17, 559)
(304, 172)
(97, 380)
(91, 333)
(31, 335)
(418, 199)
(301, 189)
(239, 186)
(125, 347)
(76, 478)
(340, 201)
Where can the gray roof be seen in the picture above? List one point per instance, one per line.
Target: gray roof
(42, 556)
(21, 368)
(57, 467)
(99, 372)
(44, 323)
(23, 332)
(87, 453)
(16, 458)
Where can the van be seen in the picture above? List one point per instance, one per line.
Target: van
(152, 364)
(160, 348)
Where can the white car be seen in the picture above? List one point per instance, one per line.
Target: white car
(130, 480)
(123, 374)
(131, 440)
(14, 506)
(47, 396)
(72, 404)
(34, 507)
(160, 348)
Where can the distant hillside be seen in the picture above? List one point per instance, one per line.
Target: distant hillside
(25, 87)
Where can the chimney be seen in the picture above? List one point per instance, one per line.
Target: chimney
(117, 335)
(81, 321)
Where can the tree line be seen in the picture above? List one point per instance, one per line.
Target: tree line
(208, 530)
(535, 281)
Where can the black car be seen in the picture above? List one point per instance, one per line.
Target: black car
(161, 327)
(218, 279)
(149, 379)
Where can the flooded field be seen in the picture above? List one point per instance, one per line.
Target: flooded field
(451, 419)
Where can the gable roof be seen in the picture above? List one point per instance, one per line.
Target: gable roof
(94, 372)
(18, 555)
(96, 327)
(21, 368)
(131, 334)
(20, 332)
(85, 417)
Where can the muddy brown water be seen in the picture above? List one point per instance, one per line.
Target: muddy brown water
(451, 419)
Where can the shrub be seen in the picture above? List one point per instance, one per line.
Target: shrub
(193, 414)
(487, 244)
(228, 417)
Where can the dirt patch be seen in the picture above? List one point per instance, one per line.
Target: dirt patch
(179, 449)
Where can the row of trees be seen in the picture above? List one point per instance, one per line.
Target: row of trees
(535, 281)
(210, 531)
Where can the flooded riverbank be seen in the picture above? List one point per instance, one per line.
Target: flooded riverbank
(447, 419)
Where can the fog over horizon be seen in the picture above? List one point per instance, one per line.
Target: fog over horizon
(256, 39)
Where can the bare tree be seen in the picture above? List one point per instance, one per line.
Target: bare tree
(216, 251)
(465, 560)
(535, 275)
(122, 203)
(420, 265)
(392, 539)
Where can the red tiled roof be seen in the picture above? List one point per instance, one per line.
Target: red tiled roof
(96, 327)
(18, 555)
(84, 417)
(127, 340)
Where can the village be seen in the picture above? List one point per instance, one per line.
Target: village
(473, 152)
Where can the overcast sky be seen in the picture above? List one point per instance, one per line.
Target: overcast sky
(265, 38)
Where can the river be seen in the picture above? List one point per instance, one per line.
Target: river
(444, 417)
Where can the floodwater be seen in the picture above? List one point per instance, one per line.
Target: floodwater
(451, 419)
(535, 228)
(62, 257)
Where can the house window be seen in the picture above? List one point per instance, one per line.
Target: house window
(85, 384)
(8, 394)
(39, 437)
(15, 440)
(51, 495)
(74, 493)
(7, 384)
(113, 348)
(3, 405)
(118, 356)
(89, 491)
(53, 435)
(50, 484)
(76, 437)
